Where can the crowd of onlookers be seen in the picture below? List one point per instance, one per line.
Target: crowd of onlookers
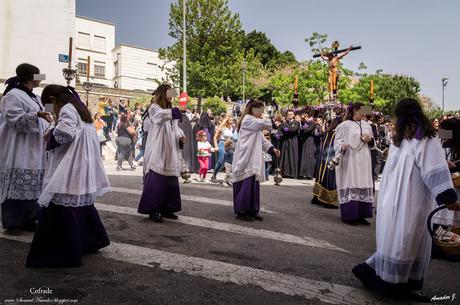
(297, 132)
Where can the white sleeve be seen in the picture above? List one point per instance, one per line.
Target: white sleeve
(339, 138)
(16, 117)
(66, 127)
(159, 115)
(429, 157)
(254, 124)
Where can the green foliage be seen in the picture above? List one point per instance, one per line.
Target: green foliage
(215, 50)
(270, 56)
(216, 105)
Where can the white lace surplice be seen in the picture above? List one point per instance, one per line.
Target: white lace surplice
(162, 153)
(414, 174)
(22, 151)
(248, 159)
(354, 173)
(74, 175)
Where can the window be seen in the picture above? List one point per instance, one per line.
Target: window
(99, 43)
(99, 70)
(83, 40)
(82, 66)
(116, 69)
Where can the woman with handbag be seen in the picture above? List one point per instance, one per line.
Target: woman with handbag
(125, 139)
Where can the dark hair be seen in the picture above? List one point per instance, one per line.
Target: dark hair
(454, 143)
(160, 96)
(334, 123)
(64, 95)
(248, 110)
(411, 122)
(24, 74)
(351, 110)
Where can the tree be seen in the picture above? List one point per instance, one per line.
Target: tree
(316, 43)
(270, 56)
(214, 48)
(216, 104)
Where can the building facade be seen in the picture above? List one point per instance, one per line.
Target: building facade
(137, 68)
(35, 33)
(38, 32)
(94, 39)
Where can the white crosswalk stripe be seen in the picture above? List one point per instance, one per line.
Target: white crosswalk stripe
(225, 272)
(190, 198)
(232, 228)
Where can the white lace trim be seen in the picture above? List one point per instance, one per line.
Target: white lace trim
(71, 200)
(356, 194)
(62, 137)
(21, 184)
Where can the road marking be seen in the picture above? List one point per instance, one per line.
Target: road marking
(230, 273)
(232, 228)
(190, 198)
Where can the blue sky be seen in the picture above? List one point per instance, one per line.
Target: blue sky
(410, 37)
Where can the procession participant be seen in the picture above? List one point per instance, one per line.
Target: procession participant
(289, 162)
(416, 171)
(325, 188)
(223, 133)
(354, 174)
(161, 194)
(188, 151)
(306, 147)
(23, 121)
(248, 168)
(69, 224)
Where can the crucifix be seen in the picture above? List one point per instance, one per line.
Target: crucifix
(333, 58)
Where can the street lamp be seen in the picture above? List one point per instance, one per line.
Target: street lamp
(184, 46)
(244, 67)
(444, 84)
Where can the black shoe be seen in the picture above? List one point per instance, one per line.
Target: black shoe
(364, 222)
(245, 217)
(412, 296)
(156, 217)
(213, 179)
(258, 218)
(170, 215)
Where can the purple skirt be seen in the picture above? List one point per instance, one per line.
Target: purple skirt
(160, 194)
(246, 196)
(355, 210)
(64, 234)
(19, 214)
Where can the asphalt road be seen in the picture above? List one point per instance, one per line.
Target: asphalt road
(299, 254)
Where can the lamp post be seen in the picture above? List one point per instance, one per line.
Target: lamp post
(444, 84)
(69, 73)
(184, 46)
(244, 67)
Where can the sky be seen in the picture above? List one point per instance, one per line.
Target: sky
(419, 38)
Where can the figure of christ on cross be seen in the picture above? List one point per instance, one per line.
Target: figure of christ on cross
(333, 59)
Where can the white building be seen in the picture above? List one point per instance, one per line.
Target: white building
(36, 33)
(96, 39)
(138, 68)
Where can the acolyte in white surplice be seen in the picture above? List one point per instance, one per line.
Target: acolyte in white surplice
(162, 153)
(74, 174)
(354, 173)
(22, 151)
(248, 159)
(414, 173)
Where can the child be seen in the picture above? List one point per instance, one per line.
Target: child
(69, 224)
(248, 162)
(204, 152)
